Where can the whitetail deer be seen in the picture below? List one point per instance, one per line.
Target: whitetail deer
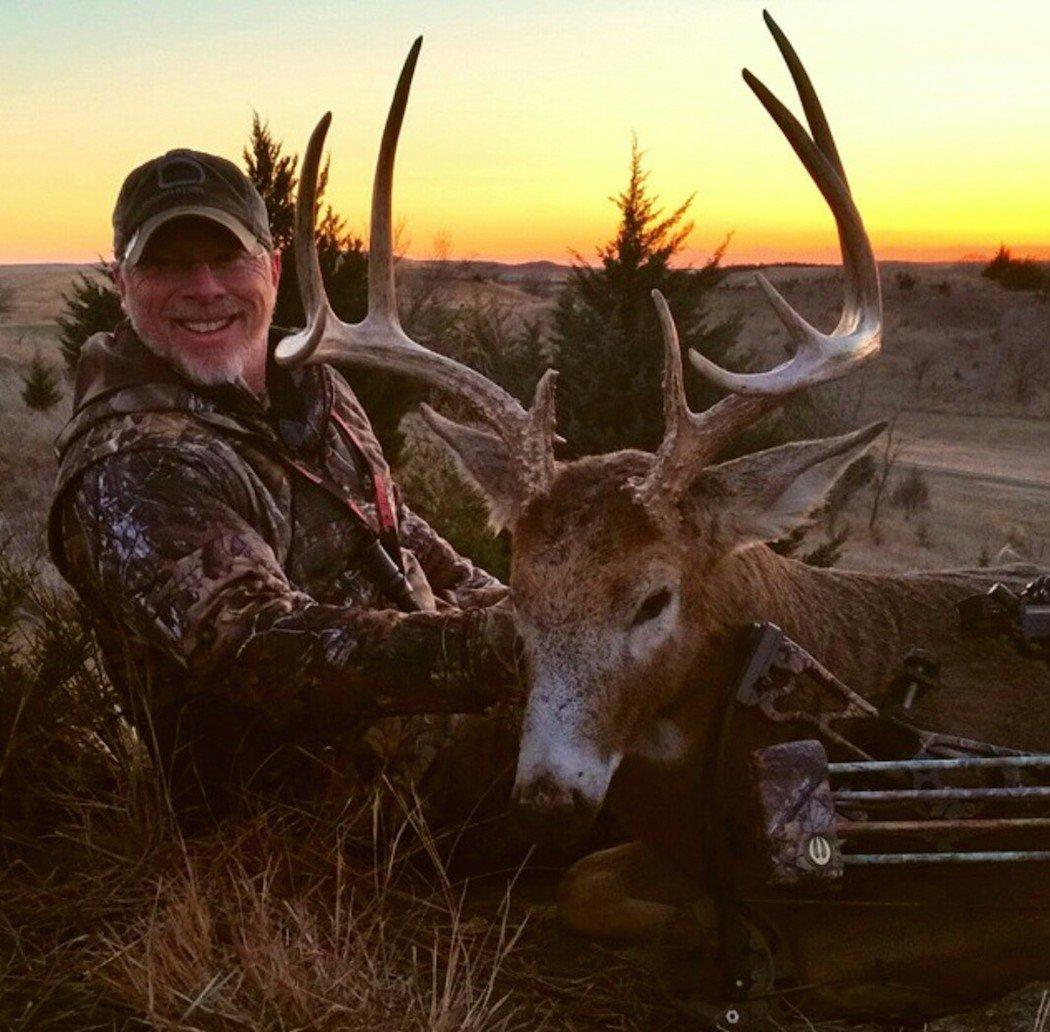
(633, 571)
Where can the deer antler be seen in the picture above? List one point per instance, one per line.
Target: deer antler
(692, 440)
(525, 439)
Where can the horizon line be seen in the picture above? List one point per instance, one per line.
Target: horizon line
(971, 257)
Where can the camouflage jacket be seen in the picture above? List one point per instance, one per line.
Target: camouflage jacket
(215, 538)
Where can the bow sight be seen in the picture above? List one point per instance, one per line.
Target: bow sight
(1024, 618)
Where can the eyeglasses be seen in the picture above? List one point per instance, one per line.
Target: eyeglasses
(222, 267)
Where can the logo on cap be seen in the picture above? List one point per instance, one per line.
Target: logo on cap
(180, 171)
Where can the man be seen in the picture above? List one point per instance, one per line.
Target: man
(260, 594)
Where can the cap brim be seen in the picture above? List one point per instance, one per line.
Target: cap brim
(142, 235)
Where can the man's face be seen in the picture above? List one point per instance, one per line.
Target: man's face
(197, 298)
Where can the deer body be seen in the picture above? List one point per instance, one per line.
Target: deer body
(989, 692)
(939, 937)
(632, 576)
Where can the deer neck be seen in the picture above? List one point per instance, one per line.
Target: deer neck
(859, 625)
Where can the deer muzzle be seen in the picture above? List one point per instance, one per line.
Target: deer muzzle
(560, 787)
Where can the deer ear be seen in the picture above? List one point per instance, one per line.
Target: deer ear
(762, 497)
(483, 458)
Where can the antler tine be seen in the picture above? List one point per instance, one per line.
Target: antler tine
(676, 452)
(299, 347)
(382, 293)
(690, 439)
(378, 341)
(857, 337)
(818, 123)
(676, 407)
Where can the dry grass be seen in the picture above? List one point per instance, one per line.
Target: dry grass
(307, 926)
(27, 465)
(341, 914)
(289, 920)
(954, 342)
(279, 923)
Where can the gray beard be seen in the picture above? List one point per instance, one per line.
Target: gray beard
(211, 373)
(204, 372)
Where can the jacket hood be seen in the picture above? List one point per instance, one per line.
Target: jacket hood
(111, 361)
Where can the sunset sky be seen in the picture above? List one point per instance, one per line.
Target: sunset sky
(520, 121)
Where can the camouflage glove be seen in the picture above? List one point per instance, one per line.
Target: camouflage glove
(456, 661)
(495, 662)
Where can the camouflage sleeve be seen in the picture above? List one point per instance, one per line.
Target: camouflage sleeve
(168, 545)
(453, 577)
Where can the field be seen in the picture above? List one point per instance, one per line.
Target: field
(965, 375)
(360, 918)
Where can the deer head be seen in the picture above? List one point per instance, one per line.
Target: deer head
(620, 560)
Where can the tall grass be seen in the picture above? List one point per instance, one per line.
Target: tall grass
(289, 923)
(27, 463)
(289, 919)
(343, 915)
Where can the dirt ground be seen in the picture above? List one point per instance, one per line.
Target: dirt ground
(989, 484)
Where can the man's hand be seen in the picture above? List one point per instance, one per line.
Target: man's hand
(496, 658)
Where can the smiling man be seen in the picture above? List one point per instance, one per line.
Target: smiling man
(260, 593)
(201, 300)
(197, 273)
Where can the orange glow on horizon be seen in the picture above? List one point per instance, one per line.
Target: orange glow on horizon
(516, 136)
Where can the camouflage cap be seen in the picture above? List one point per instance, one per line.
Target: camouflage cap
(187, 182)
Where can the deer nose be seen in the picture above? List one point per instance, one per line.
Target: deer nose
(552, 816)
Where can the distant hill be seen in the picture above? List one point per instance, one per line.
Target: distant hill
(954, 341)
(39, 287)
(501, 272)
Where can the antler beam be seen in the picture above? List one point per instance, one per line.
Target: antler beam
(857, 337)
(378, 342)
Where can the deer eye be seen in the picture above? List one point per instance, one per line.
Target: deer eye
(652, 607)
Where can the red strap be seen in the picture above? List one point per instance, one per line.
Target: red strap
(320, 481)
(381, 486)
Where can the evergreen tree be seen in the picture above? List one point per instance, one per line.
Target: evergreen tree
(343, 259)
(273, 174)
(91, 306)
(40, 385)
(1015, 273)
(606, 335)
